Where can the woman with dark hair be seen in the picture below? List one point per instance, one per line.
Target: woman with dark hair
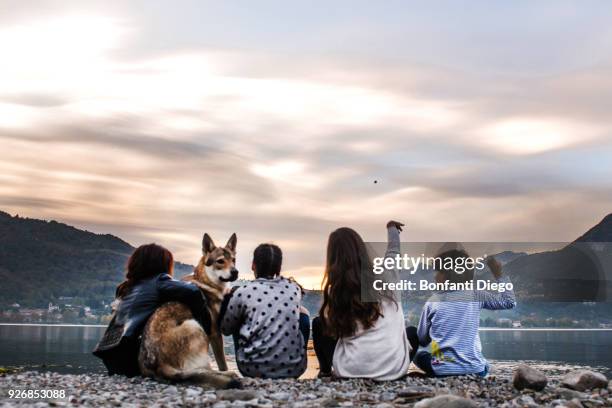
(356, 337)
(267, 321)
(148, 285)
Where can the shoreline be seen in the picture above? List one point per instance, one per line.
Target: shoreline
(97, 390)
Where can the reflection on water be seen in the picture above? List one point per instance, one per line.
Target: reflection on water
(59, 348)
(67, 349)
(572, 346)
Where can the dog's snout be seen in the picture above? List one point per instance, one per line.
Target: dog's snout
(234, 273)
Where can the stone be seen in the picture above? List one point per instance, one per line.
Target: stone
(524, 401)
(367, 397)
(280, 396)
(568, 394)
(582, 380)
(415, 393)
(388, 396)
(328, 402)
(446, 401)
(237, 395)
(528, 377)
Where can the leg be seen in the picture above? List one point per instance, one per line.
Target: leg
(216, 342)
(324, 346)
(413, 339)
(305, 327)
(423, 361)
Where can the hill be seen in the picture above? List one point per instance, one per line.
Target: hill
(581, 271)
(602, 232)
(43, 260)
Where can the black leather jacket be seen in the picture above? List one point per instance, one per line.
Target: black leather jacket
(121, 338)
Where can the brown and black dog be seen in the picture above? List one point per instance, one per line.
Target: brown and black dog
(174, 346)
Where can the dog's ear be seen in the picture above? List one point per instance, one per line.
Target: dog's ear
(231, 243)
(207, 244)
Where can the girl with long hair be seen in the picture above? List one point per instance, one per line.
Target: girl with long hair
(147, 285)
(353, 336)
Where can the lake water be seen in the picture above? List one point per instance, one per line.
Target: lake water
(67, 349)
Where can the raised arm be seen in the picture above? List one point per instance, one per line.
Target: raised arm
(393, 238)
(424, 325)
(187, 293)
(496, 300)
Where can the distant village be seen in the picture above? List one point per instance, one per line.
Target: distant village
(66, 310)
(72, 310)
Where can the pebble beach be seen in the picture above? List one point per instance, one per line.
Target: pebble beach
(497, 390)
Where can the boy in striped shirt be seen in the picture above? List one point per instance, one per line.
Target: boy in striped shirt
(450, 321)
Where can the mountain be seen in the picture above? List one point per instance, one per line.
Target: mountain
(43, 260)
(579, 272)
(602, 232)
(508, 256)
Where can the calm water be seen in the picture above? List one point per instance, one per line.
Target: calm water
(67, 349)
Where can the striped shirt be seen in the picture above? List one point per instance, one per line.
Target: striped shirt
(450, 322)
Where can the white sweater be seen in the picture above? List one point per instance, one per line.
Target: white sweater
(382, 352)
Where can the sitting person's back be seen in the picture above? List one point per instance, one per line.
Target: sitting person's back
(380, 352)
(149, 284)
(356, 337)
(450, 321)
(265, 317)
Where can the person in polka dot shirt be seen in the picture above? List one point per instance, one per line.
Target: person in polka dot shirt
(269, 325)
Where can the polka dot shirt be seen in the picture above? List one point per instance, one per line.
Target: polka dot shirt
(264, 314)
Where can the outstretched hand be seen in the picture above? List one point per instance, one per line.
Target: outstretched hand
(395, 224)
(495, 267)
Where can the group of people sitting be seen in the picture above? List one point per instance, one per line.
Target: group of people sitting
(352, 337)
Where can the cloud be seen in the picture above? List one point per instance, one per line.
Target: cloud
(109, 124)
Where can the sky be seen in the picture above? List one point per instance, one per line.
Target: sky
(159, 121)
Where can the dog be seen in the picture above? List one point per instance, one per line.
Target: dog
(174, 346)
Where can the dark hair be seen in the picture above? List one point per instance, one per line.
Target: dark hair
(147, 261)
(268, 259)
(342, 308)
(449, 273)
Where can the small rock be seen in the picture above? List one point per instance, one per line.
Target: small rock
(280, 396)
(237, 395)
(582, 380)
(524, 401)
(327, 402)
(446, 401)
(415, 393)
(192, 392)
(528, 377)
(367, 397)
(574, 403)
(593, 403)
(388, 396)
(568, 394)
